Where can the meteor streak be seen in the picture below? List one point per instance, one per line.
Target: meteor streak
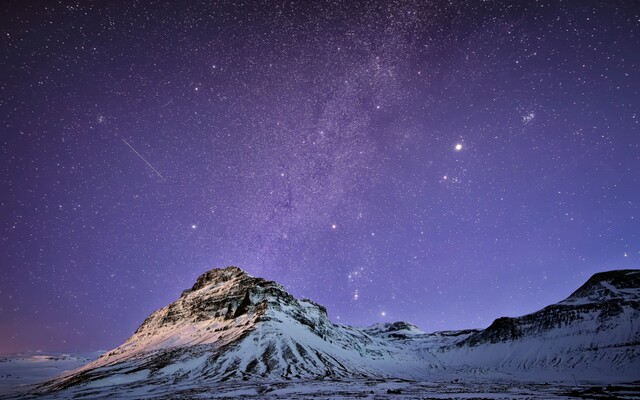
(143, 159)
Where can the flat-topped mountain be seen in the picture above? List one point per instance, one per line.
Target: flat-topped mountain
(616, 285)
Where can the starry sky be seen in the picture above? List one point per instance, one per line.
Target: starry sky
(439, 162)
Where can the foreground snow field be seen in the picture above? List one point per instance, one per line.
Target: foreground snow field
(349, 389)
(18, 371)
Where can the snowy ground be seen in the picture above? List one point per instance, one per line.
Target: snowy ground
(365, 389)
(20, 370)
(409, 390)
(18, 373)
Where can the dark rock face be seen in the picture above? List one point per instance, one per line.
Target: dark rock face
(217, 276)
(501, 329)
(230, 293)
(609, 285)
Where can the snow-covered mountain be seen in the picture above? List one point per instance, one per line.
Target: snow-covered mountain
(593, 335)
(232, 327)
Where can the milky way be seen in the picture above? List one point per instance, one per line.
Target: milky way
(444, 163)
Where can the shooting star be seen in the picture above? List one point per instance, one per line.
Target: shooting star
(143, 159)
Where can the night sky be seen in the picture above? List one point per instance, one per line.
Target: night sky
(440, 162)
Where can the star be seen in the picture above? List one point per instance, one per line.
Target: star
(528, 117)
(270, 142)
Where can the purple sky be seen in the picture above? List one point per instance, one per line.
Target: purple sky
(443, 163)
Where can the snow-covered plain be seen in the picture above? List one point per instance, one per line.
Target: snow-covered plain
(19, 371)
(456, 388)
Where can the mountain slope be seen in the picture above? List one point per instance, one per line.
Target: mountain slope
(231, 327)
(593, 333)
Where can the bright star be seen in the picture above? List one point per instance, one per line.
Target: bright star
(458, 146)
(194, 226)
(333, 226)
(528, 118)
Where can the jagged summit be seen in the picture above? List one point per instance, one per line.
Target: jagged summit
(220, 298)
(218, 275)
(239, 326)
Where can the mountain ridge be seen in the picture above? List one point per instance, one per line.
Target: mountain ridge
(231, 326)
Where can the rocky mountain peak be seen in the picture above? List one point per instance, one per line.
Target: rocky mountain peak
(218, 275)
(223, 305)
(224, 293)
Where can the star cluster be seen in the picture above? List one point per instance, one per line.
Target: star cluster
(443, 162)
